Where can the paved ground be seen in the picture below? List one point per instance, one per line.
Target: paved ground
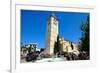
(46, 60)
(23, 61)
(51, 60)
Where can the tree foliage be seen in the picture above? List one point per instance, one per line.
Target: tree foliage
(57, 46)
(84, 41)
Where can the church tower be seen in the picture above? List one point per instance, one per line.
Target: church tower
(51, 33)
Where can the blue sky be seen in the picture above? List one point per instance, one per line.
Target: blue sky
(33, 25)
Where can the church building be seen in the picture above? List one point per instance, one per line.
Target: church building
(52, 32)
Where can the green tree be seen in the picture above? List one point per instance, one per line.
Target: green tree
(57, 46)
(72, 46)
(84, 41)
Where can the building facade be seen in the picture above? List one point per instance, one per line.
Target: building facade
(33, 46)
(68, 46)
(51, 33)
(51, 37)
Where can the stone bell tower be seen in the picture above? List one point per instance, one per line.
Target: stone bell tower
(51, 33)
